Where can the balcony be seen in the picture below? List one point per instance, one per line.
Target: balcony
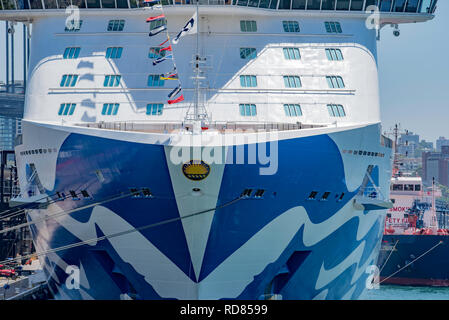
(392, 6)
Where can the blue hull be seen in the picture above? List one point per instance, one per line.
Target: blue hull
(331, 266)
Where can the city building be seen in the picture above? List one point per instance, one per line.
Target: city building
(408, 144)
(441, 141)
(436, 165)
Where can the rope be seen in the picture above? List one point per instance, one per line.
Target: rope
(388, 258)
(422, 255)
(97, 239)
(121, 196)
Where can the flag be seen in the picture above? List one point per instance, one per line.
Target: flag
(189, 28)
(179, 99)
(169, 48)
(155, 18)
(167, 74)
(174, 92)
(159, 60)
(157, 30)
(173, 76)
(151, 1)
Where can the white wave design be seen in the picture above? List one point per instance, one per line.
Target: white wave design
(245, 263)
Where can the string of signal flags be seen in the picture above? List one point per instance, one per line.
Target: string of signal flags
(164, 51)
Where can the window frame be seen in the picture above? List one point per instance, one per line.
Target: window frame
(291, 26)
(248, 81)
(248, 109)
(291, 53)
(291, 81)
(66, 109)
(112, 80)
(68, 80)
(155, 82)
(293, 110)
(115, 25)
(114, 52)
(110, 109)
(334, 54)
(248, 53)
(155, 109)
(71, 53)
(248, 25)
(333, 27)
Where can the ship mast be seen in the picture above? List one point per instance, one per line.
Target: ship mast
(199, 116)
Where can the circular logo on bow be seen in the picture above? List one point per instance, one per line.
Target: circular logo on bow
(196, 170)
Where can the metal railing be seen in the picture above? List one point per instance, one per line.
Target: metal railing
(407, 6)
(143, 126)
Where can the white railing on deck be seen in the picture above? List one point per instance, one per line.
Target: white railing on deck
(143, 126)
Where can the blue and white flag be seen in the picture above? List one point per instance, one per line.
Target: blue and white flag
(155, 62)
(189, 28)
(157, 30)
(174, 92)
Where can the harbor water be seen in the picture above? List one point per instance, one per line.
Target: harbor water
(391, 292)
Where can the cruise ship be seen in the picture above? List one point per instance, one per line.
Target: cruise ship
(209, 149)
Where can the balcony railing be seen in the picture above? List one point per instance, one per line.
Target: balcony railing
(407, 6)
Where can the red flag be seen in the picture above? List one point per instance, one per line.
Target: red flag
(178, 99)
(155, 18)
(169, 48)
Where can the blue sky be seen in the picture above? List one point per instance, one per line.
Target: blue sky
(413, 74)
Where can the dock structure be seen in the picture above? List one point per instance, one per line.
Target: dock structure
(26, 287)
(12, 98)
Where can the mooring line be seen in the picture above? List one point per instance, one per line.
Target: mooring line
(422, 255)
(388, 258)
(121, 233)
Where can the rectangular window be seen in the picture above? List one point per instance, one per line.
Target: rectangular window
(66, 109)
(335, 82)
(248, 110)
(292, 110)
(248, 26)
(334, 54)
(336, 110)
(292, 82)
(73, 26)
(292, 54)
(114, 52)
(68, 80)
(111, 80)
(248, 53)
(71, 52)
(157, 23)
(155, 53)
(110, 109)
(116, 25)
(248, 81)
(154, 80)
(155, 109)
(291, 26)
(333, 27)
